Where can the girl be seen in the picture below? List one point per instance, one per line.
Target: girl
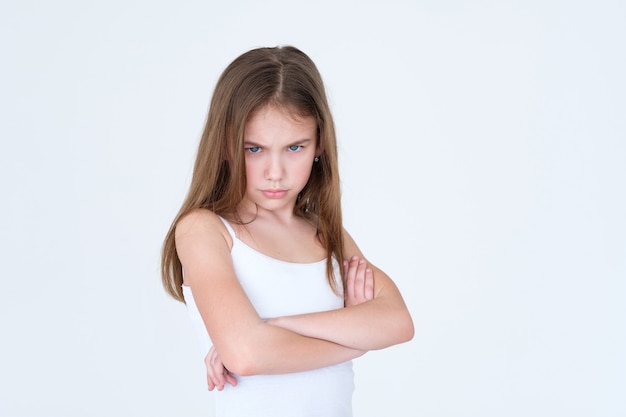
(256, 248)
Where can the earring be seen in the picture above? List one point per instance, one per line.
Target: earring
(317, 158)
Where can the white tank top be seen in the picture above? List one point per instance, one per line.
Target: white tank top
(276, 288)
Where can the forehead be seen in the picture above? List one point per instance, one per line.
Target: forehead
(273, 122)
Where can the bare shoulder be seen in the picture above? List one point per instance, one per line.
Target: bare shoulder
(203, 245)
(201, 224)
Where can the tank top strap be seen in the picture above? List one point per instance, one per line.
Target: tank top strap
(228, 227)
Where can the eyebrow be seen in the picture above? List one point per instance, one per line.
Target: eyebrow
(297, 142)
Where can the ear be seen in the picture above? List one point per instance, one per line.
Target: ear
(320, 148)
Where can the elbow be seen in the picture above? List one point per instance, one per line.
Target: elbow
(241, 368)
(408, 331)
(247, 353)
(238, 367)
(398, 329)
(404, 329)
(241, 360)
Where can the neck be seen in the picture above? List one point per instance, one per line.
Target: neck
(248, 212)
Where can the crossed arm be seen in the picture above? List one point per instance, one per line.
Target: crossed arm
(375, 315)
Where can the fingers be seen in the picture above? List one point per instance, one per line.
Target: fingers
(213, 374)
(217, 375)
(368, 285)
(230, 378)
(359, 281)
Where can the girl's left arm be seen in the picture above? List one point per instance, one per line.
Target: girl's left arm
(380, 321)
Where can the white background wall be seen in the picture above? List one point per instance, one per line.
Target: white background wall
(483, 152)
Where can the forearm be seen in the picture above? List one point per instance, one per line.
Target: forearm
(372, 325)
(274, 350)
(375, 315)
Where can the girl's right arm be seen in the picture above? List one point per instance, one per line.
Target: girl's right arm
(246, 344)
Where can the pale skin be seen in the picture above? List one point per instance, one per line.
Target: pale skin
(280, 151)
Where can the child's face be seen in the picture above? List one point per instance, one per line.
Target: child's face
(279, 153)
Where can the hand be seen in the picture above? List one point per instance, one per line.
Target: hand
(217, 374)
(359, 281)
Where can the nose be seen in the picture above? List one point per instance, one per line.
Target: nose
(274, 169)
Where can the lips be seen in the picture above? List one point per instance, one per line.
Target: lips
(274, 193)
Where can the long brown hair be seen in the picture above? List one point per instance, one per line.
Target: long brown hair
(282, 76)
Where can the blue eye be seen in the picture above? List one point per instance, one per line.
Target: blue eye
(295, 148)
(253, 149)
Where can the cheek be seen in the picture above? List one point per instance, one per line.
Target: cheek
(250, 172)
(304, 172)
